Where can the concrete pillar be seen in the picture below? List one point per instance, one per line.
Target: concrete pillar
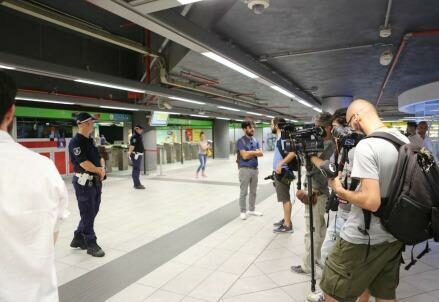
(332, 103)
(149, 141)
(221, 139)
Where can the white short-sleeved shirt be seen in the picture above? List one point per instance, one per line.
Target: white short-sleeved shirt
(374, 158)
(33, 201)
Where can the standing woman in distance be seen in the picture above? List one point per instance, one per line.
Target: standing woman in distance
(203, 146)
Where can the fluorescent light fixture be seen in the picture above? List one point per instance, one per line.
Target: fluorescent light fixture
(317, 109)
(239, 120)
(109, 85)
(304, 103)
(198, 115)
(170, 113)
(6, 67)
(186, 100)
(43, 101)
(283, 91)
(119, 108)
(254, 113)
(230, 64)
(228, 108)
(269, 116)
(188, 1)
(294, 121)
(223, 118)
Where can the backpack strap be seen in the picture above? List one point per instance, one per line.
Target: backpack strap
(388, 137)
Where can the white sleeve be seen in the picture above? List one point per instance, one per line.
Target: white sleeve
(61, 196)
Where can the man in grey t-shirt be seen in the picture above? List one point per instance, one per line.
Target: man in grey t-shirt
(363, 261)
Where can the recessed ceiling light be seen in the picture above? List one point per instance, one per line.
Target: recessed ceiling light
(304, 103)
(186, 100)
(283, 91)
(254, 113)
(198, 115)
(188, 1)
(228, 108)
(7, 67)
(230, 64)
(103, 84)
(43, 100)
(119, 108)
(317, 109)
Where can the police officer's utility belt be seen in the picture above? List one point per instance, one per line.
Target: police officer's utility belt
(84, 175)
(84, 179)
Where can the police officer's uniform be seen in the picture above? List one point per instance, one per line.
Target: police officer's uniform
(136, 157)
(88, 189)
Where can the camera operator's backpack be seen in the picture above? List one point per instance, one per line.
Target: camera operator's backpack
(411, 211)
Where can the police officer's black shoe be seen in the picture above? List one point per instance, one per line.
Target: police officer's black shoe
(78, 241)
(95, 250)
(140, 187)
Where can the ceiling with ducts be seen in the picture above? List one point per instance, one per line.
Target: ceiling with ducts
(287, 60)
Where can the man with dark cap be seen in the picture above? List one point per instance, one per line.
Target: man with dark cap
(87, 181)
(135, 153)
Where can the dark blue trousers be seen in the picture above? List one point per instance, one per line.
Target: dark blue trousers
(136, 170)
(89, 200)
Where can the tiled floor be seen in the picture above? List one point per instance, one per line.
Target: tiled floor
(242, 261)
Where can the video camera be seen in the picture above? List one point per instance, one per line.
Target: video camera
(307, 140)
(347, 136)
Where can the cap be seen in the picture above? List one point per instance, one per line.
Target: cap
(138, 127)
(83, 117)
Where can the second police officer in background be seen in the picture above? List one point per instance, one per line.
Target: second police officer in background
(89, 170)
(135, 153)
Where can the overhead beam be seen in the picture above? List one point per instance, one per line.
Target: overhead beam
(154, 5)
(74, 25)
(175, 27)
(43, 68)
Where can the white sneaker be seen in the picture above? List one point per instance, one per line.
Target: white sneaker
(254, 213)
(243, 216)
(316, 297)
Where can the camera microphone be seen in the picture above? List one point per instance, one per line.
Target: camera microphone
(339, 132)
(329, 169)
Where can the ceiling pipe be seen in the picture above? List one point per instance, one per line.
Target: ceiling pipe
(395, 61)
(164, 80)
(75, 25)
(286, 54)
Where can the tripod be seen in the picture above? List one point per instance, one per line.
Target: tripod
(309, 166)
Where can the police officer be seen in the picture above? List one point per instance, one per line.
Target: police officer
(135, 153)
(87, 181)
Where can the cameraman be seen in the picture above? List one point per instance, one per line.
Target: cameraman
(319, 197)
(282, 177)
(364, 259)
(337, 217)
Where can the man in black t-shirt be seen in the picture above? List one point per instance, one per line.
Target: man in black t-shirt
(135, 153)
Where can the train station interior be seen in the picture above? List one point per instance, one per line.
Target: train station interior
(182, 68)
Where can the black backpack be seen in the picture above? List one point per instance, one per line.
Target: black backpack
(411, 211)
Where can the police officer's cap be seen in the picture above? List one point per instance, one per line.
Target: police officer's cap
(138, 127)
(83, 117)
